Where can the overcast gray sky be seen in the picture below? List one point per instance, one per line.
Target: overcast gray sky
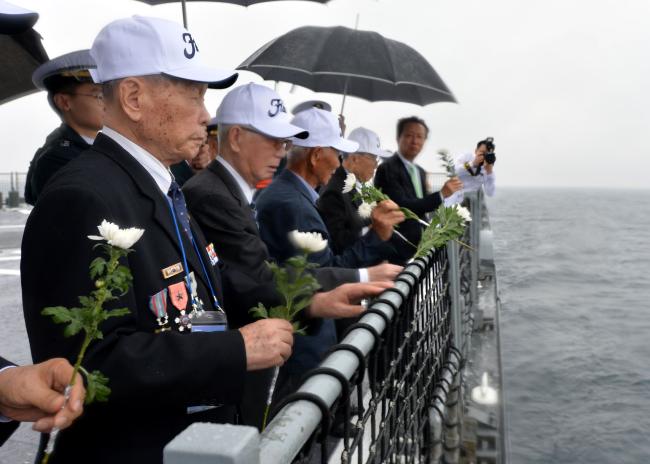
(562, 85)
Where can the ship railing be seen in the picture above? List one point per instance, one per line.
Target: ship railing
(390, 391)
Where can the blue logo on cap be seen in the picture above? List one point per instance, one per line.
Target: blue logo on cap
(277, 106)
(187, 38)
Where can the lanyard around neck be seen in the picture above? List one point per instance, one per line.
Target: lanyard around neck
(184, 256)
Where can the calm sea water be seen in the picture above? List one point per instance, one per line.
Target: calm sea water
(574, 276)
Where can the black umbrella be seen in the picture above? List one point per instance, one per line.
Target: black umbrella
(350, 62)
(236, 2)
(21, 52)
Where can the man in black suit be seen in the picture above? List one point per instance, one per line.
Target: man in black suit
(405, 182)
(35, 394)
(220, 199)
(161, 381)
(79, 103)
(253, 137)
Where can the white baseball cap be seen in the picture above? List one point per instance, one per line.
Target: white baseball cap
(324, 131)
(142, 46)
(260, 108)
(368, 142)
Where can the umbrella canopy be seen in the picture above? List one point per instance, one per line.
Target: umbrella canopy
(21, 52)
(350, 62)
(236, 2)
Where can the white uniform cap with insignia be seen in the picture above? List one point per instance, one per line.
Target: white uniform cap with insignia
(311, 104)
(324, 131)
(368, 142)
(142, 46)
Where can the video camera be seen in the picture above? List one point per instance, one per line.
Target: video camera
(490, 157)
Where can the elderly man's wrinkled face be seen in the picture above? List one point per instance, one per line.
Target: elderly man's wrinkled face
(411, 140)
(175, 119)
(363, 166)
(325, 164)
(259, 155)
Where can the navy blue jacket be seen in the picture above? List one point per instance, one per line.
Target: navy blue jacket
(286, 205)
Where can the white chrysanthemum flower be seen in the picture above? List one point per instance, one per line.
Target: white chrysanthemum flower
(463, 213)
(309, 242)
(349, 183)
(121, 238)
(365, 209)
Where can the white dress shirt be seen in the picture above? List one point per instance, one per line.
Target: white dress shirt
(473, 183)
(160, 173)
(246, 189)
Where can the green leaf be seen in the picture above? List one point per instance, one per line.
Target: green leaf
(297, 329)
(73, 328)
(279, 312)
(259, 312)
(116, 313)
(59, 314)
(96, 387)
(97, 267)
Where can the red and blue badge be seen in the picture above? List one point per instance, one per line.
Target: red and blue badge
(158, 306)
(214, 259)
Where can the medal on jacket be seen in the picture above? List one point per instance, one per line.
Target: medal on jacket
(197, 303)
(178, 296)
(158, 306)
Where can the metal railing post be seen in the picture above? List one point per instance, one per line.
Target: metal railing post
(203, 443)
(474, 236)
(454, 295)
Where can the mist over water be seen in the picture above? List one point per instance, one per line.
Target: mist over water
(574, 275)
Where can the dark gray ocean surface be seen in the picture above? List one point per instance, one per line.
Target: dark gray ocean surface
(574, 275)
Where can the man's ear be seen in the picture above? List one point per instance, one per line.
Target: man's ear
(132, 94)
(235, 134)
(62, 101)
(315, 155)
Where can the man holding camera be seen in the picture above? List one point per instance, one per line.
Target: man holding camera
(477, 169)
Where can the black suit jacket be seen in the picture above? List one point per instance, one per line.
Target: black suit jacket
(61, 146)
(154, 377)
(394, 180)
(222, 211)
(217, 203)
(340, 213)
(6, 428)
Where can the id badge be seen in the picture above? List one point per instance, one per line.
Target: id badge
(210, 321)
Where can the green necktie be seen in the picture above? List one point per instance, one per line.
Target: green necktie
(415, 179)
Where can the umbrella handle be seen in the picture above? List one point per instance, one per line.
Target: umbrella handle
(345, 93)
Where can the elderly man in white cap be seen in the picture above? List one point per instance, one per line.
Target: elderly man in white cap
(289, 203)
(340, 210)
(163, 375)
(253, 139)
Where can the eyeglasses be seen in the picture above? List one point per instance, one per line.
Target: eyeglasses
(97, 96)
(284, 144)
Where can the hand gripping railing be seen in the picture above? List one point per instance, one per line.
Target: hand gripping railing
(390, 389)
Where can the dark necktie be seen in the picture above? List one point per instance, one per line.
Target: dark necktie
(178, 202)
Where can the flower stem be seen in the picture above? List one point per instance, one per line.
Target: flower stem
(405, 239)
(269, 398)
(89, 336)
